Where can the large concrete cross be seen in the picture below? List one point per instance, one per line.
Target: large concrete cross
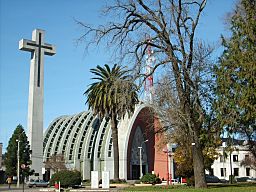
(38, 49)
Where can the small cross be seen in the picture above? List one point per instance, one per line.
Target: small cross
(37, 46)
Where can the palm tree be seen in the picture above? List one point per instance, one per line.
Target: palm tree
(112, 96)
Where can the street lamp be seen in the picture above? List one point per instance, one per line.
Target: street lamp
(140, 148)
(193, 149)
(223, 158)
(193, 146)
(18, 164)
(169, 176)
(169, 162)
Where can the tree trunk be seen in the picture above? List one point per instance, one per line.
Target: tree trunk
(198, 163)
(115, 146)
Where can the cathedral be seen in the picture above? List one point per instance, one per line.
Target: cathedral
(86, 143)
(85, 140)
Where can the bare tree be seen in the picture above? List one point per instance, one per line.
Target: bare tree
(171, 26)
(249, 161)
(56, 163)
(177, 124)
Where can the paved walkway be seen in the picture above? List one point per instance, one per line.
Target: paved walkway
(4, 188)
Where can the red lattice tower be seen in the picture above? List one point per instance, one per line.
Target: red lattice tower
(149, 81)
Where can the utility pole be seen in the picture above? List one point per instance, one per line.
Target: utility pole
(18, 164)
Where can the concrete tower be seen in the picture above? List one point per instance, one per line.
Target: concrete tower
(38, 49)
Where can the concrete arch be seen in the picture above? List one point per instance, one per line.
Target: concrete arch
(87, 136)
(50, 131)
(124, 135)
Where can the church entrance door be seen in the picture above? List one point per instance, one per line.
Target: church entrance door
(138, 145)
(136, 171)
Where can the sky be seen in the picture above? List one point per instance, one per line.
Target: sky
(66, 74)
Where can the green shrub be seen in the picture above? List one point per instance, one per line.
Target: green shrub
(150, 179)
(67, 178)
(191, 181)
(158, 180)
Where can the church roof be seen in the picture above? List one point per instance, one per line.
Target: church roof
(77, 137)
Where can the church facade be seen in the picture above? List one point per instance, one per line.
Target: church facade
(86, 143)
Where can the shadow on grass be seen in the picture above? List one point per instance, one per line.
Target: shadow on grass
(238, 187)
(158, 188)
(223, 185)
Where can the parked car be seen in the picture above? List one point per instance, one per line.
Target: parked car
(241, 179)
(183, 180)
(174, 181)
(212, 179)
(253, 180)
(37, 183)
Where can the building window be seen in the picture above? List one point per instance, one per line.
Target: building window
(222, 158)
(246, 157)
(110, 147)
(247, 172)
(235, 158)
(223, 172)
(211, 172)
(236, 171)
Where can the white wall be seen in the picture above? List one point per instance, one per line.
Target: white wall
(240, 152)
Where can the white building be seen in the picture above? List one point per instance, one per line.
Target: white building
(226, 161)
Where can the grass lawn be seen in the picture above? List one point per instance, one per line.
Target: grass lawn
(212, 188)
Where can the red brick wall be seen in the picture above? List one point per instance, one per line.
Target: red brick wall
(160, 167)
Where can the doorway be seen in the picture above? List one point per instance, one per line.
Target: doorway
(136, 171)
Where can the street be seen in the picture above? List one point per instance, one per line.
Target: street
(20, 189)
(4, 188)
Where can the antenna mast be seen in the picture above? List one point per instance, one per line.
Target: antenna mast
(148, 84)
